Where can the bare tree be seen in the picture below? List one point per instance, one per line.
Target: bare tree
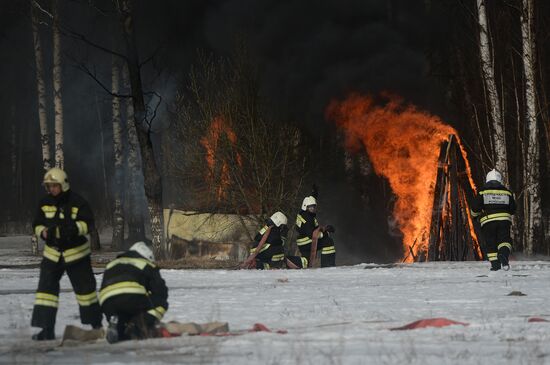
(118, 214)
(494, 111)
(41, 89)
(238, 157)
(136, 226)
(57, 86)
(151, 174)
(533, 226)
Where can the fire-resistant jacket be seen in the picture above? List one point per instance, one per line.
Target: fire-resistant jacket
(494, 202)
(306, 223)
(66, 209)
(276, 240)
(133, 276)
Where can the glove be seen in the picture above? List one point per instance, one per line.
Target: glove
(68, 230)
(330, 229)
(51, 240)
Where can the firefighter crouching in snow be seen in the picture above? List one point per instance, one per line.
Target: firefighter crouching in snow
(495, 205)
(62, 221)
(268, 248)
(312, 237)
(133, 295)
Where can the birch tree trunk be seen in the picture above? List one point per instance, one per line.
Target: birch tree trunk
(118, 215)
(136, 226)
(533, 227)
(488, 73)
(57, 83)
(151, 174)
(41, 91)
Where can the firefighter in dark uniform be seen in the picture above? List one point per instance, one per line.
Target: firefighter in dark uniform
(62, 221)
(309, 229)
(268, 248)
(133, 295)
(495, 205)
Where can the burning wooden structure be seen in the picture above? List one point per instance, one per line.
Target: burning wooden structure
(453, 234)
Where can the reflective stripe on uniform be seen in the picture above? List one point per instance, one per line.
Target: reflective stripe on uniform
(328, 250)
(86, 299)
(124, 287)
(38, 230)
(74, 212)
(49, 210)
(279, 257)
(264, 247)
(495, 217)
(158, 312)
(474, 214)
(46, 299)
(78, 252)
(492, 256)
(263, 230)
(82, 228)
(303, 241)
(505, 244)
(137, 262)
(304, 262)
(502, 192)
(51, 253)
(300, 220)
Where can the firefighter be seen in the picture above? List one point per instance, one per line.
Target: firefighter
(133, 295)
(311, 234)
(268, 248)
(62, 221)
(495, 205)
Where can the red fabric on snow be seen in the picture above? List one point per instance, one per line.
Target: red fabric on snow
(537, 319)
(429, 322)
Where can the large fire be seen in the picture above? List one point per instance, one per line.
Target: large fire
(216, 155)
(403, 144)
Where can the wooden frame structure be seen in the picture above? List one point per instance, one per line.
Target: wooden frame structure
(454, 236)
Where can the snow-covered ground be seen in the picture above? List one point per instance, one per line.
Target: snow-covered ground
(333, 316)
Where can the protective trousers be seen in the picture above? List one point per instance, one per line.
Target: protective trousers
(328, 251)
(132, 320)
(498, 242)
(47, 295)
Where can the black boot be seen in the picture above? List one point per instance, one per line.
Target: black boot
(44, 335)
(495, 265)
(503, 258)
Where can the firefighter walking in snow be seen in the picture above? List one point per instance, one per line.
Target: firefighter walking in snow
(268, 248)
(62, 221)
(312, 237)
(133, 295)
(495, 205)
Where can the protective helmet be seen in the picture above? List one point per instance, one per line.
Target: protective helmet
(57, 176)
(278, 219)
(308, 200)
(143, 250)
(494, 175)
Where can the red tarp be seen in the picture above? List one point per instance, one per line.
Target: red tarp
(429, 322)
(537, 319)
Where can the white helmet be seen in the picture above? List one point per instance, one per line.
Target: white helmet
(308, 200)
(143, 250)
(57, 176)
(279, 219)
(494, 175)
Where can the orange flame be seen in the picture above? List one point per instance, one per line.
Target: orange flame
(403, 144)
(211, 142)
